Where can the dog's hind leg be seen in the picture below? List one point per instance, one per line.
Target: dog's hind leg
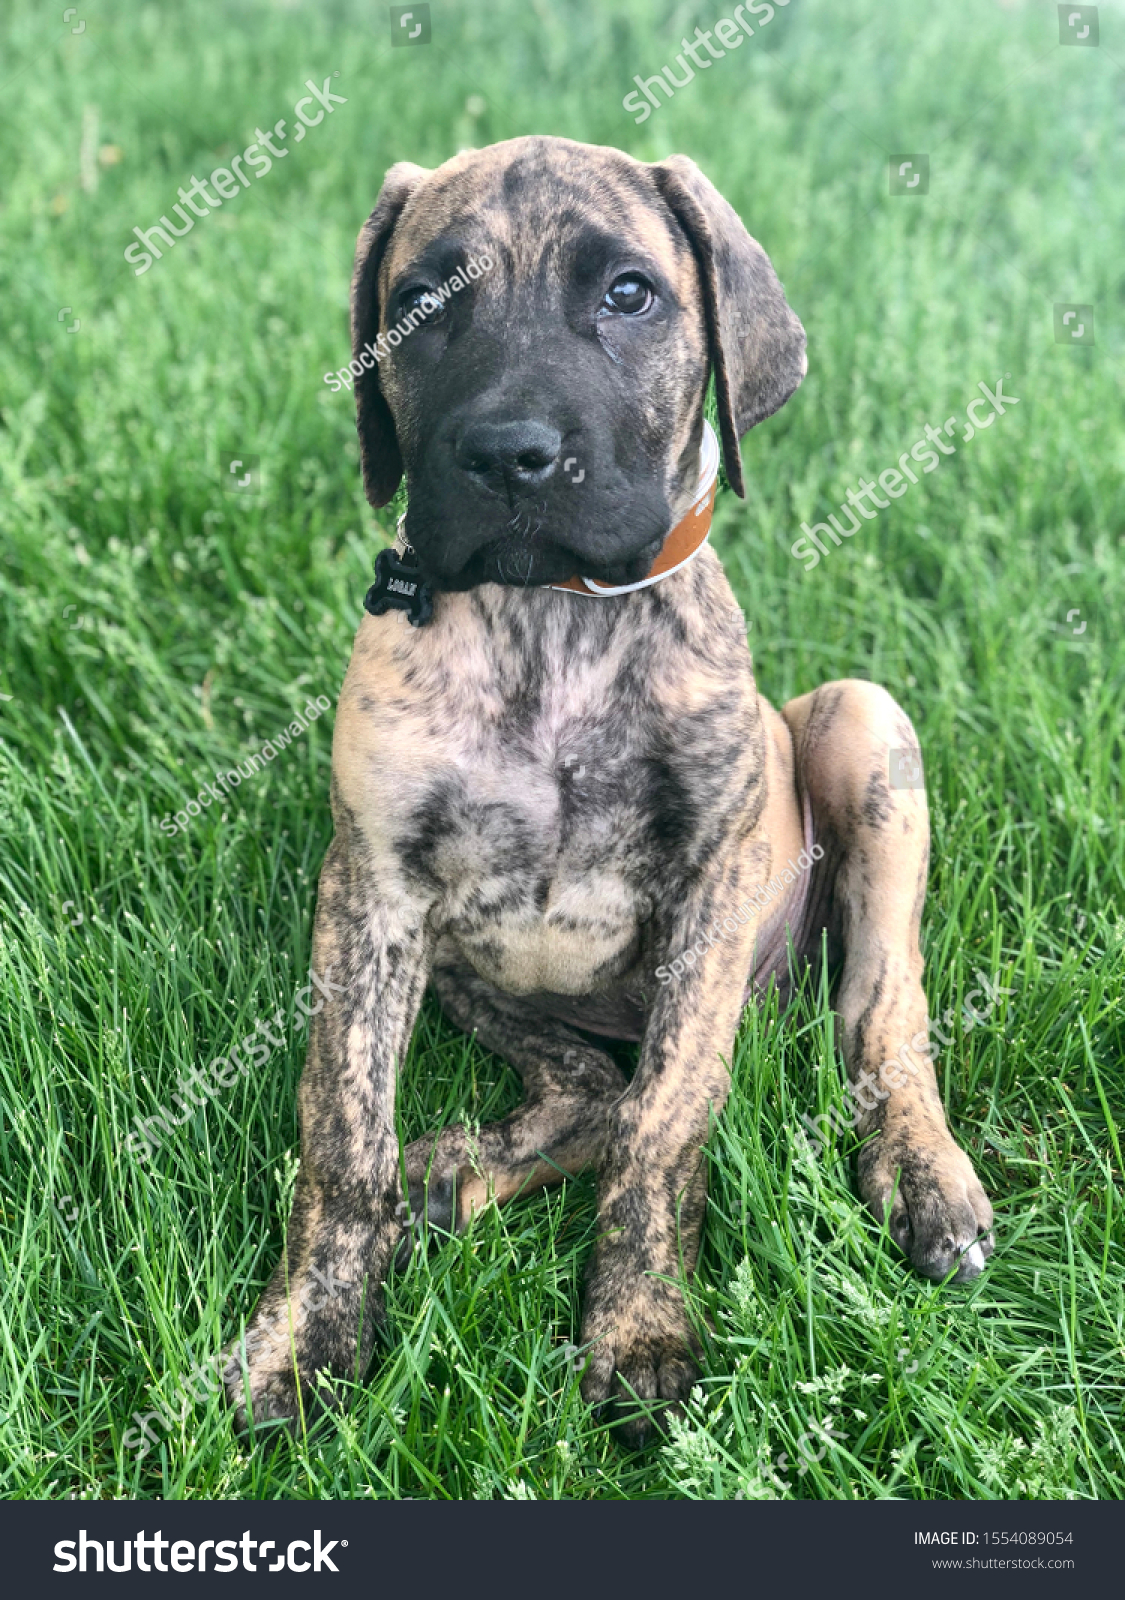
(570, 1087)
(857, 757)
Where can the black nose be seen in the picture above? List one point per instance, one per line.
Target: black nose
(515, 452)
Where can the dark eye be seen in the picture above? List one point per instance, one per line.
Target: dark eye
(630, 295)
(413, 301)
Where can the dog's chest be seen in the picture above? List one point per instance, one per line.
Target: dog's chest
(505, 773)
(520, 769)
(536, 839)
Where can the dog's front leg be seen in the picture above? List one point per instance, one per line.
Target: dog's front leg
(324, 1301)
(652, 1192)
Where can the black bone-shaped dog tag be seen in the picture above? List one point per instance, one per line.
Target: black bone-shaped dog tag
(398, 586)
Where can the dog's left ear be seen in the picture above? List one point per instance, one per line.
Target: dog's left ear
(757, 345)
(378, 442)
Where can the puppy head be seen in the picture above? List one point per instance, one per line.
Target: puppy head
(538, 321)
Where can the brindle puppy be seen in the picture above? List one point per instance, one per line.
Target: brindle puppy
(540, 797)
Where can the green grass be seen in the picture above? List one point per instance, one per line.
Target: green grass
(209, 615)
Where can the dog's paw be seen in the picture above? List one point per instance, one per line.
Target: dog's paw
(431, 1204)
(939, 1215)
(273, 1396)
(285, 1368)
(640, 1363)
(259, 1396)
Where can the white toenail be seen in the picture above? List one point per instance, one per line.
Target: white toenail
(973, 1259)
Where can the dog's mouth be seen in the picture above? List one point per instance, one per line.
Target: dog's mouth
(522, 560)
(526, 561)
(530, 554)
(610, 533)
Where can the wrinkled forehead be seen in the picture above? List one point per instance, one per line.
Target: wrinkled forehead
(542, 211)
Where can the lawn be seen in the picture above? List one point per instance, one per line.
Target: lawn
(159, 623)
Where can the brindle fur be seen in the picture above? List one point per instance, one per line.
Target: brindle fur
(541, 797)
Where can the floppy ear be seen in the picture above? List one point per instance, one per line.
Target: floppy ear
(757, 345)
(378, 446)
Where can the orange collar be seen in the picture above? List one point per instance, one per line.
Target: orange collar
(682, 543)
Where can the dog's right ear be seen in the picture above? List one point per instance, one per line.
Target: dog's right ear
(378, 445)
